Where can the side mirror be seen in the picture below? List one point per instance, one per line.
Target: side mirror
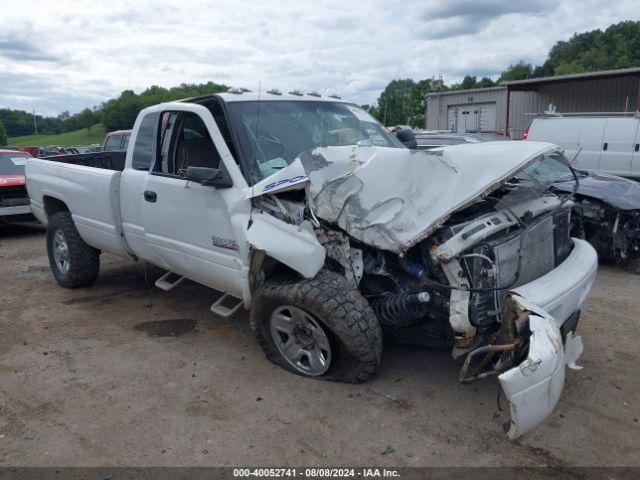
(209, 177)
(406, 137)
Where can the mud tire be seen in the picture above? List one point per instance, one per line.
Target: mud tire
(83, 260)
(354, 331)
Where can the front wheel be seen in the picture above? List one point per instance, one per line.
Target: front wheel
(73, 263)
(319, 327)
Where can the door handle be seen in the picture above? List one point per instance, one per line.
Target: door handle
(150, 196)
(604, 147)
(637, 147)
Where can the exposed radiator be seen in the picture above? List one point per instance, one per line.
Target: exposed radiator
(544, 245)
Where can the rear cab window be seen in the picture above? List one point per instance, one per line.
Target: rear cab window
(113, 142)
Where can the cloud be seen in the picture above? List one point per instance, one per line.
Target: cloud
(485, 9)
(23, 50)
(468, 17)
(66, 55)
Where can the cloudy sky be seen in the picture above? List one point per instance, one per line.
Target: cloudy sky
(69, 54)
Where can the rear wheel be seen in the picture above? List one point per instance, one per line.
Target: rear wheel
(319, 327)
(73, 263)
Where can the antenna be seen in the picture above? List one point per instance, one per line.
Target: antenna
(575, 156)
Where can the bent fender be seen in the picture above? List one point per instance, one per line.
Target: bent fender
(293, 245)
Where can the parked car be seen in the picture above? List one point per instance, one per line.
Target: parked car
(89, 148)
(432, 139)
(604, 144)
(29, 149)
(306, 211)
(118, 140)
(48, 151)
(607, 206)
(14, 201)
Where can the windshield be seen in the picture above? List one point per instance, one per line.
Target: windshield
(548, 169)
(537, 178)
(272, 134)
(13, 163)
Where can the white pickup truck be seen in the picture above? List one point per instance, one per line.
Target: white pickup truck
(306, 211)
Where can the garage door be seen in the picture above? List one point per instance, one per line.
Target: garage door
(475, 117)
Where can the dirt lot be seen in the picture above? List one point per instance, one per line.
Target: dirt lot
(119, 374)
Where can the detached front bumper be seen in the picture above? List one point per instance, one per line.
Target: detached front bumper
(534, 386)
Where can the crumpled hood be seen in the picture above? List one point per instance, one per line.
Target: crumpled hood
(391, 198)
(620, 193)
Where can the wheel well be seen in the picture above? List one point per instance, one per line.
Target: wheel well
(263, 267)
(53, 205)
(274, 268)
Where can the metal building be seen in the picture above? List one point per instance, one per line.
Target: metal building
(509, 108)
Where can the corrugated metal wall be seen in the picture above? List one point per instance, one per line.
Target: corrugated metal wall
(597, 95)
(438, 105)
(521, 104)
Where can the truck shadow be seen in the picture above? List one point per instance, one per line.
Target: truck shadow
(407, 357)
(22, 229)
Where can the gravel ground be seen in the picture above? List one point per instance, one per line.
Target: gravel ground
(120, 374)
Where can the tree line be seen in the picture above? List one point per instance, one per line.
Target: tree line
(116, 114)
(19, 122)
(401, 102)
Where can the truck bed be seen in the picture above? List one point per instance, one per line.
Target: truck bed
(112, 160)
(88, 185)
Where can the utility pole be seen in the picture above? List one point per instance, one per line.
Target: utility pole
(35, 122)
(384, 120)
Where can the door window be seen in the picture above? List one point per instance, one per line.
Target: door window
(184, 142)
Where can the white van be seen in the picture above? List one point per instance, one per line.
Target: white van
(610, 144)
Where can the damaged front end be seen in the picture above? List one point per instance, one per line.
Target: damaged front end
(614, 233)
(533, 386)
(447, 243)
(608, 217)
(529, 353)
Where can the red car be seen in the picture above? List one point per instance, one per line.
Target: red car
(14, 201)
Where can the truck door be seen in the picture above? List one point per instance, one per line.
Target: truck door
(187, 224)
(140, 158)
(618, 145)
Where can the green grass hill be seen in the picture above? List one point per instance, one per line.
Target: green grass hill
(78, 137)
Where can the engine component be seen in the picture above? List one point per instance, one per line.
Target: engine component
(502, 348)
(459, 304)
(397, 310)
(414, 269)
(339, 248)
